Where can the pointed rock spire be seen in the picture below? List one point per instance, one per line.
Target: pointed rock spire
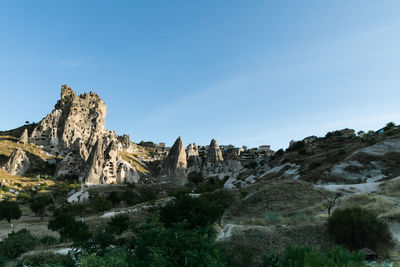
(214, 152)
(192, 150)
(175, 164)
(24, 137)
(18, 163)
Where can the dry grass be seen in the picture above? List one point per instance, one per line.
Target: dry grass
(8, 144)
(134, 161)
(375, 203)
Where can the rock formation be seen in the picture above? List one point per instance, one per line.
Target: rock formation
(73, 117)
(76, 130)
(192, 150)
(175, 164)
(214, 152)
(105, 166)
(24, 137)
(18, 163)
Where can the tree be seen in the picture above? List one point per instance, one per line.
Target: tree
(78, 209)
(113, 197)
(389, 125)
(39, 204)
(64, 223)
(9, 210)
(118, 224)
(330, 202)
(357, 228)
(176, 246)
(101, 204)
(17, 243)
(197, 212)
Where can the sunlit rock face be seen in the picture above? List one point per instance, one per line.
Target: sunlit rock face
(18, 163)
(175, 165)
(74, 117)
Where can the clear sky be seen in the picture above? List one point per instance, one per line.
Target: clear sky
(243, 72)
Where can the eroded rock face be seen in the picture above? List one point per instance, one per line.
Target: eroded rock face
(175, 165)
(105, 165)
(214, 152)
(18, 163)
(24, 137)
(192, 150)
(74, 117)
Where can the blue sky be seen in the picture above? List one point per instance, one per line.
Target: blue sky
(243, 72)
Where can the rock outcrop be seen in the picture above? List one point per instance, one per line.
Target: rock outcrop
(175, 165)
(18, 163)
(192, 150)
(24, 137)
(74, 117)
(105, 166)
(214, 154)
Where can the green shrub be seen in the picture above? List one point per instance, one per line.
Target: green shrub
(118, 224)
(197, 212)
(114, 198)
(17, 243)
(307, 256)
(147, 194)
(271, 260)
(117, 257)
(357, 228)
(129, 197)
(49, 240)
(273, 217)
(101, 204)
(46, 259)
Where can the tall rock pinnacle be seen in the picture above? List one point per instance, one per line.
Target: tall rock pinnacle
(214, 152)
(175, 164)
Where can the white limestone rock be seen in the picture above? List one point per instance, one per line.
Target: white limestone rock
(18, 163)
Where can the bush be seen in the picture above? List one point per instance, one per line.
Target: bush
(147, 194)
(49, 240)
(46, 259)
(196, 212)
(118, 224)
(65, 224)
(176, 246)
(113, 197)
(117, 257)
(17, 243)
(357, 228)
(306, 256)
(129, 197)
(101, 204)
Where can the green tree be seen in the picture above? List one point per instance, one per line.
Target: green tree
(39, 204)
(176, 246)
(118, 224)
(356, 228)
(17, 243)
(197, 212)
(113, 197)
(9, 210)
(101, 204)
(64, 223)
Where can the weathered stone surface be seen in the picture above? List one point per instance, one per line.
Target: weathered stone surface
(24, 137)
(192, 150)
(18, 163)
(105, 166)
(214, 152)
(175, 164)
(74, 117)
